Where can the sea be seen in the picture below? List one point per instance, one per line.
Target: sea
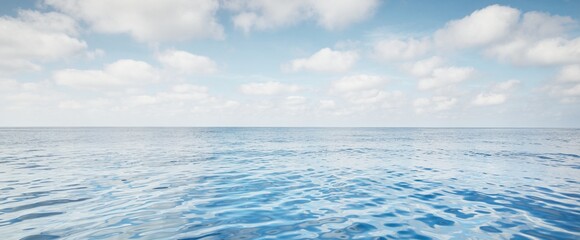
(289, 183)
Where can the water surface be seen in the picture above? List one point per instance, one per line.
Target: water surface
(289, 183)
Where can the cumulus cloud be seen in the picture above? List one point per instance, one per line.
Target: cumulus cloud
(552, 51)
(296, 103)
(34, 37)
(15, 95)
(358, 83)
(504, 33)
(566, 84)
(123, 72)
(538, 39)
(366, 90)
(268, 88)
(147, 20)
(505, 86)
(482, 27)
(486, 99)
(498, 93)
(401, 49)
(325, 60)
(434, 104)
(186, 63)
(267, 14)
(445, 76)
(375, 96)
(570, 73)
(425, 67)
(434, 74)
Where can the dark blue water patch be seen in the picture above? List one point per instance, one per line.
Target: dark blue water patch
(360, 227)
(384, 215)
(37, 194)
(394, 225)
(402, 212)
(404, 185)
(552, 202)
(518, 237)
(544, 189)
(42, 204)
(567, 155)
(490, 229)
(40, 237)
(457, 212)
(206, 236)
(480, 154)
(33, 216)
(410, 234)
(572, 195)
(508, 225)
(426, 197)
(505, 210)
(432, 221)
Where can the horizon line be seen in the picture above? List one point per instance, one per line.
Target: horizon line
(432, 127)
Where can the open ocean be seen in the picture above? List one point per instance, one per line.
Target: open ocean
(289, 183)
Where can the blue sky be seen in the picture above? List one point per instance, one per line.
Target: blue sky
(290, 63)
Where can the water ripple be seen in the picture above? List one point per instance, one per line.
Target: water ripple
(277, 183)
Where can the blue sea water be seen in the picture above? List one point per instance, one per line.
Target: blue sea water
(289, 183)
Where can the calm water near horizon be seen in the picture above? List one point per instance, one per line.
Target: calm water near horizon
(289, 183)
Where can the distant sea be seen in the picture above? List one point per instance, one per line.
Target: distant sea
(289, 183)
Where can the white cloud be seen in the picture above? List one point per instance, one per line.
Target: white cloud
(505, 86)
(296, 103)
(15, 95)
(337, 14)
(498, 93)
(445, 76)
(486, 99)
(267, 14)
(425, 67)
(482, 27)
(552, 51)
(401, 49)
(532, 38)
(33, 36)
(147, 20)
(327, 104)
(187, 63)
(434, 104)
(124, 72)
(183, 92)
(374, 96)
(433, 74)
(358, 83)
(366, 90)
(537, 39)
(570, 73)
(325, 60)
(566, 84)
(268, 88)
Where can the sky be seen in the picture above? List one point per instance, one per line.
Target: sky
(311, 63)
